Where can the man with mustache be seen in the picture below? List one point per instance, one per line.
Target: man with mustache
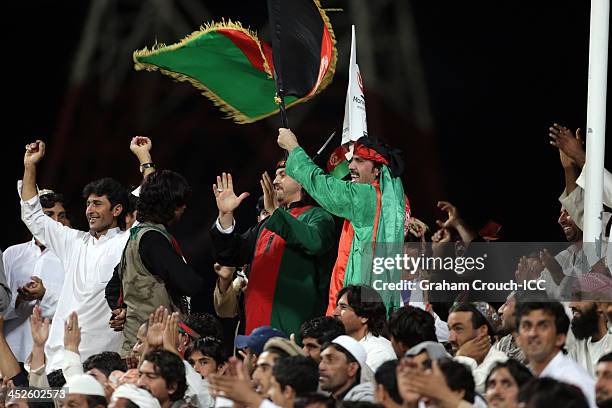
(543, 329)
(373, 205)
(290, 252)
(603, 386)
(589, 327)
(88, 258)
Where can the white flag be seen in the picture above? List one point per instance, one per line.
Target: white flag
(355, 124)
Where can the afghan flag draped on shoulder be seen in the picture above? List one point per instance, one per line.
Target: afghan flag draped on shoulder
(236, 70)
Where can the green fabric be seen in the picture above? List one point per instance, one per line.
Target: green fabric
(213, 61)
(357, 203)
(341, 170)
(303, 280)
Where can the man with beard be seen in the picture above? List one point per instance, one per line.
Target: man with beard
(593, 339)
(603, 386)
(543, 329)
(290, 253)
(507, 344)
(373, 205)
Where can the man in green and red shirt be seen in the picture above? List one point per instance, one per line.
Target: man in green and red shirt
(374, 207)
(291, 253)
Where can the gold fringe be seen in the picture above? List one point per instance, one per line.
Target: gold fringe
(229, 110)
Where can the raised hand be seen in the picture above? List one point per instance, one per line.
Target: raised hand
(72, 333)
(227, 201)
(157, 325)
(269, 194)
(34, 152)
(171, 333)
(453, 219)
(570, 147)
(287, 139)
(39, 327)
(476, 348)
(141, 147)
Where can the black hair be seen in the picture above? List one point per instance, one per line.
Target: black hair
(478, 319)
(366, 302)
(299, 372)
(205, 324)
(171, 368)
(385, 375)
(315, 398)
(50, 199)
(458, 377)
(562, 322)
(606, 358)
(323, 328)
(210, 347)
(56, 378)
(521, 374)
(349, 358)
(260, 205)
(106, 362)
(95, 400)
(114, 191)
(547, 392)
(411, 326)
(160, 195)
(359, 404)
(132, 203)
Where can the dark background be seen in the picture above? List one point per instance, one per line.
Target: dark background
(496, 76)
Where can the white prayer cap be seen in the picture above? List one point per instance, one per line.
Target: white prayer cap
(84, 384)
(352, 346)
(138, 396)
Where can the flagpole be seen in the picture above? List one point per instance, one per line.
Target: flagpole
(596, 127)
(280, 95)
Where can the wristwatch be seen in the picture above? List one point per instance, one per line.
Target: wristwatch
(144, 166)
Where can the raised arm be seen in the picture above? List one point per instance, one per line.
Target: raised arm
(47, 231)
(141, 147)
(342, 198)
(33, 155)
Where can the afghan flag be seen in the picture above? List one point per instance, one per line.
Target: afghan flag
(233, 67)
(302, 45)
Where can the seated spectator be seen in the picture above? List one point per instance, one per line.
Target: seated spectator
(507, 343)
(293, 377)
(363, 313)
(318, 331)
(409, 326)
(342, 371)
(470, 336)
(447, 384)
(252, 346)
(207, 356)
(162, 373)
(603, 386)
(592, 337)
(387, 394)
(84, 391)
(275, 348)
(548, 392)
(130, 396)
(543, 328)
(504, 382)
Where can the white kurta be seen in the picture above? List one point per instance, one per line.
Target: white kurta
(21, 262)
(378, 350)
(89, 264)
(563, 368)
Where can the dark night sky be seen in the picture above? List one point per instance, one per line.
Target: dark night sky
(497, 73)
